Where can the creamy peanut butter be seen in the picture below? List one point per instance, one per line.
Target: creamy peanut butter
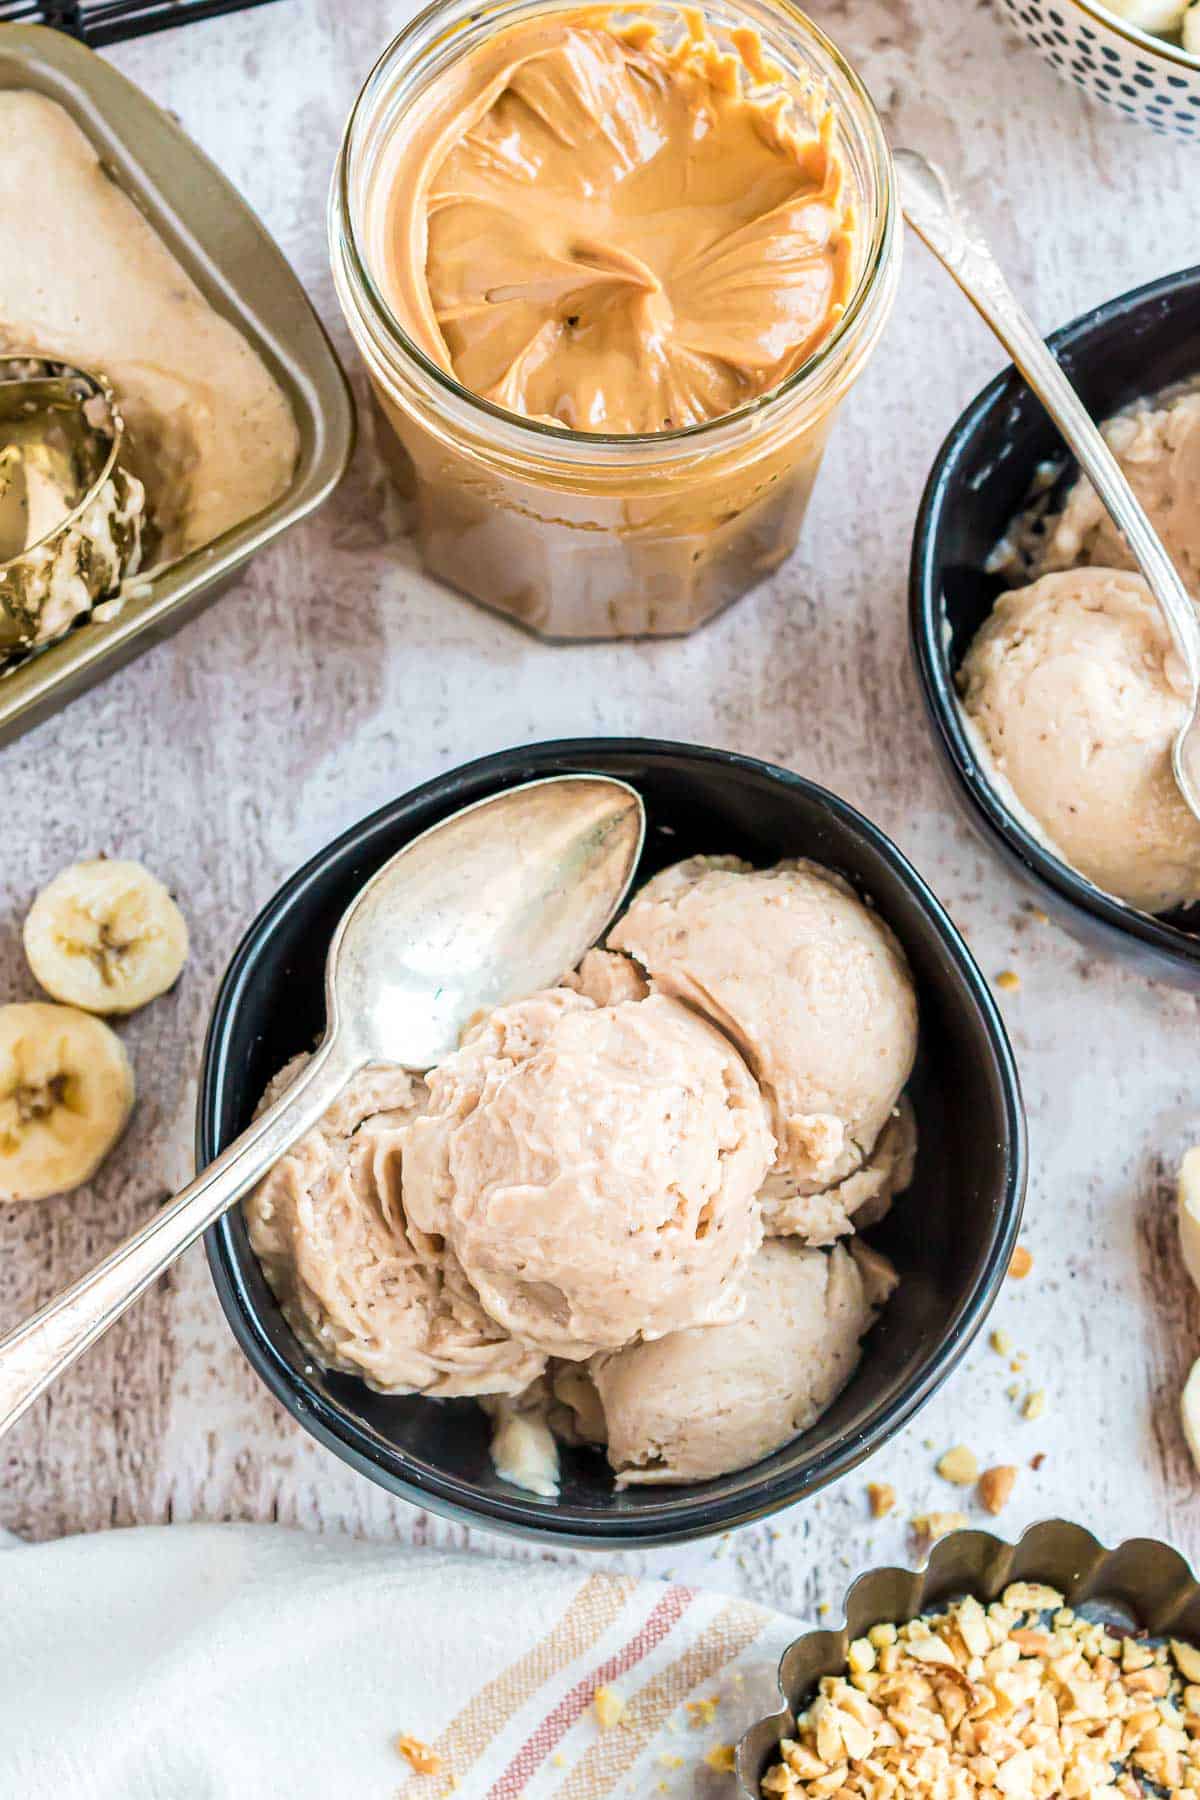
(592, 224)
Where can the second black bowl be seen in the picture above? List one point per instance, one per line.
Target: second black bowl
(951, 1236)
(1127, 350)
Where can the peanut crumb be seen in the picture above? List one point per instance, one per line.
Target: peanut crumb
(1022, 1262)
(1001, 1342)
(609, 1707)
(1035, 1405)
(996, 1486)
(720, 1758)
(418, 1756)
(1008, 980)
(934, 1525)
(703, 1712)
(960, 1465)
(882, 1498)
(1036, 913)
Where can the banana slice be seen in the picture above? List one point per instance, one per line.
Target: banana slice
(1191, 29)
(66, 1092)
(1188, 1197)
(1150, 15)
(105, 936)
(1189, 1407)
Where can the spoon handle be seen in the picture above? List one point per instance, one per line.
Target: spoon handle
(938, 216)
(35, 1353)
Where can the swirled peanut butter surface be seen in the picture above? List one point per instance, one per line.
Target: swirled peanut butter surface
(590, 224)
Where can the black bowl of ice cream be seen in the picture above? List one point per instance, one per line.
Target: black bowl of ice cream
(1133, 360)
(949, 1236)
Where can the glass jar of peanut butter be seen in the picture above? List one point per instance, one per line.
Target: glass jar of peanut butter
(612, 272)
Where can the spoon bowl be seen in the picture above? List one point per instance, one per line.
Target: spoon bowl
(494, 902)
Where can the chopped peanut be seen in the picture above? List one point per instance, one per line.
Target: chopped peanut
(1022, 1262)
(419, 1756)
(936, 1525)
(609, 1708)
(960, 1465)
(703, 1712)
(996, 1486)
(882, 1497)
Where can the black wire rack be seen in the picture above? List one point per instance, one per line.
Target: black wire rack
(100, 22)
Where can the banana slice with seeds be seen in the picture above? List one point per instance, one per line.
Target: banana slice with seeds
(106, 936)
(66, 1092)
(1188, 1209)
(1189, 1407)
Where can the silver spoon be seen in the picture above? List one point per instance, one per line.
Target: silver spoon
(938, 216)
(494, 903)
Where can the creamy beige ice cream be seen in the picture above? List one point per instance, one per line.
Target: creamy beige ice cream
(1072, 689)
(1158, 447)
(856, 1203)
(586, 1180)
(608, 979)
(701, 1403)
(362, 1288)
(86, 279)
(594, 1169)
(808, 983)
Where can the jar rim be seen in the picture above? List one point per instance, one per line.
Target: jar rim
(542, 436)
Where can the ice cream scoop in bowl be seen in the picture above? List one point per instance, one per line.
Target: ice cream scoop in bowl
(501, 898)
(939, 218)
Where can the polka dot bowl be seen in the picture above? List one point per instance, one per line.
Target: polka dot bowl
(1143, 77)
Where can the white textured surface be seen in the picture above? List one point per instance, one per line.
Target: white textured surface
(335, 676)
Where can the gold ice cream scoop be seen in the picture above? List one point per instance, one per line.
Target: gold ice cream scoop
(70, 515)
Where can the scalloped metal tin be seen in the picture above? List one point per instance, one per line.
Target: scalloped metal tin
(213, 234)
(1142, 1583)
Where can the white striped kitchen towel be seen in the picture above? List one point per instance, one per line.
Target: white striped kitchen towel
(221, 1662)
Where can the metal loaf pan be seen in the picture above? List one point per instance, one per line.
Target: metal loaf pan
(214, 235)
(1143, 1584)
